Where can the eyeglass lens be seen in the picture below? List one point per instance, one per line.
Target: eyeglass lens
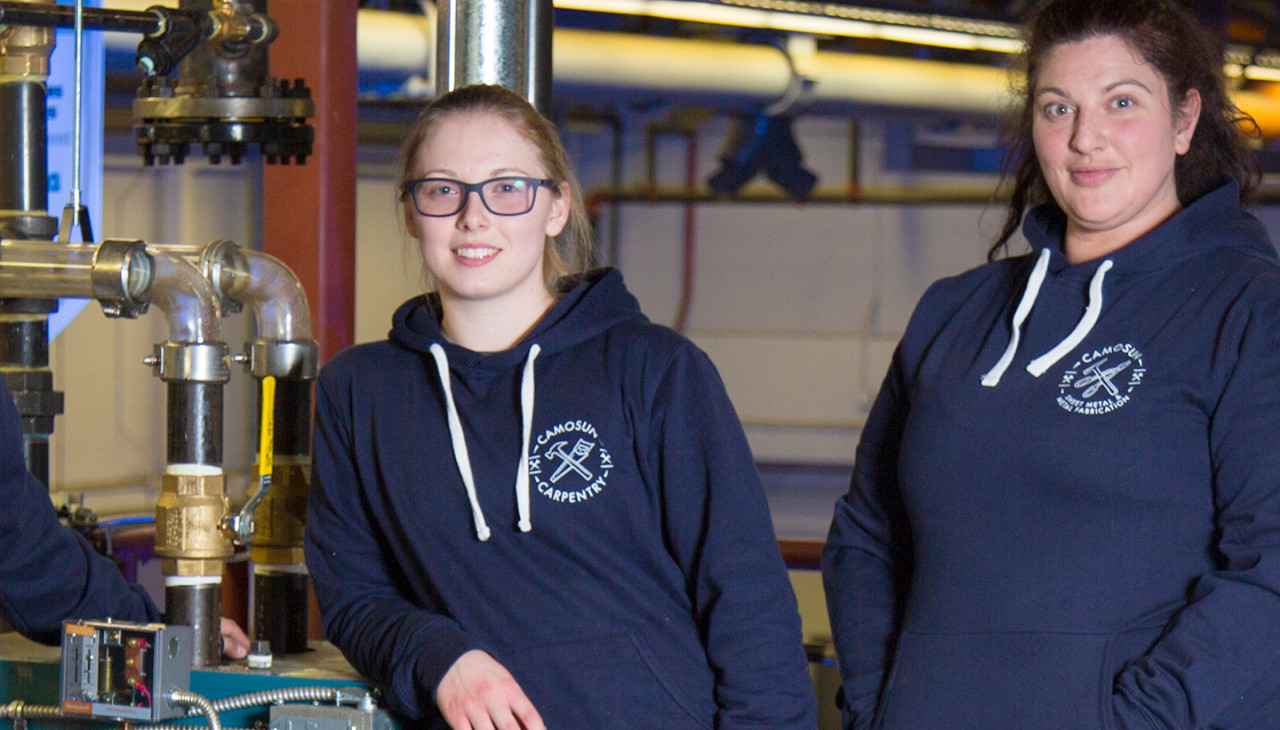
(501, 195)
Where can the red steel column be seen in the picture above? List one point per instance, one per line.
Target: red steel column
(309, 211)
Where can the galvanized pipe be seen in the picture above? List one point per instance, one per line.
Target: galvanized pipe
(501, 42)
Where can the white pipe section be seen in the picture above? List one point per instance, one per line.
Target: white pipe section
(399, 44)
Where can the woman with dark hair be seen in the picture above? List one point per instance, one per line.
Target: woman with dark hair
(1065, 506)
(532, 507)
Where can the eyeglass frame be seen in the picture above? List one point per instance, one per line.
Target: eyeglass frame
(408, 188)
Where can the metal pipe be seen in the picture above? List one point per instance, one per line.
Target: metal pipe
(284, 350)
(24, 204)
(502, 42)
(187, 299)
(63, 16)
(280, 605)
(190, 537)
(279, 303)
(197, 602)
(194, 423)
(23, 184)
(112, 272)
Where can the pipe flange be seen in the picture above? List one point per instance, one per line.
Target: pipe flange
(197, 362)
(122, 276)
(299, 360)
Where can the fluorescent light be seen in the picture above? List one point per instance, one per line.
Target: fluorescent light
(1262, 73)
(794, 23)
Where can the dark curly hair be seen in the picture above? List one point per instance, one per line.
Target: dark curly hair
(1166, 36)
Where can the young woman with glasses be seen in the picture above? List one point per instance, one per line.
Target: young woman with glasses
(532, 507)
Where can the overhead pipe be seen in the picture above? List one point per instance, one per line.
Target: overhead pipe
(393, 45)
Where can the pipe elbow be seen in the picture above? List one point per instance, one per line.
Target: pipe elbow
(188, 300)
(279, 302)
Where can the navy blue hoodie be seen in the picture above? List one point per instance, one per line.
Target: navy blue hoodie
(49, 572)
(639, 586)
(1079, 528)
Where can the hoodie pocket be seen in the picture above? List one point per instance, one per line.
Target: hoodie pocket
(612, 681)
(997, 680)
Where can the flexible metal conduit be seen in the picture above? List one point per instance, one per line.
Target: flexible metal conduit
(336, 695)
(19, 710)
(199, 703)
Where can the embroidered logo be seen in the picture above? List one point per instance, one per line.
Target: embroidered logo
(568, 464)
(1102, 380)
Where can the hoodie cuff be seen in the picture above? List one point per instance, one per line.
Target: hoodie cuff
(440, 650)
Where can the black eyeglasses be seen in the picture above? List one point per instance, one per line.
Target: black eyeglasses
(439, 196)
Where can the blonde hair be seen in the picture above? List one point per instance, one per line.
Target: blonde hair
(565, 256)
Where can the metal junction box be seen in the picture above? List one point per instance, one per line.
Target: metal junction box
(124, 671)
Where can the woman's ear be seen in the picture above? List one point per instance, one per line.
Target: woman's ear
(1185, 121)
(559, 215)
(406, 207)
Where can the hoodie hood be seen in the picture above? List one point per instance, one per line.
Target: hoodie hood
(1214, 221)
(599, 300)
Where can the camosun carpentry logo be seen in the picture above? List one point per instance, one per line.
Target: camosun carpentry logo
(1102, 380)
(568, 464)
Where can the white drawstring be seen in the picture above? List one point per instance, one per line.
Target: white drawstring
(459, 442)
(526, 413)
(461, 455)
(1038, 366)
(992, 377)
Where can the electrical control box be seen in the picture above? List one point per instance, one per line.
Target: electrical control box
(124, 671)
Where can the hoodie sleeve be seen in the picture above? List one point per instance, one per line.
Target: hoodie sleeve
(1222, 644)
(866, 561)
(388, 639)
(720, 532)
(49, 572)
